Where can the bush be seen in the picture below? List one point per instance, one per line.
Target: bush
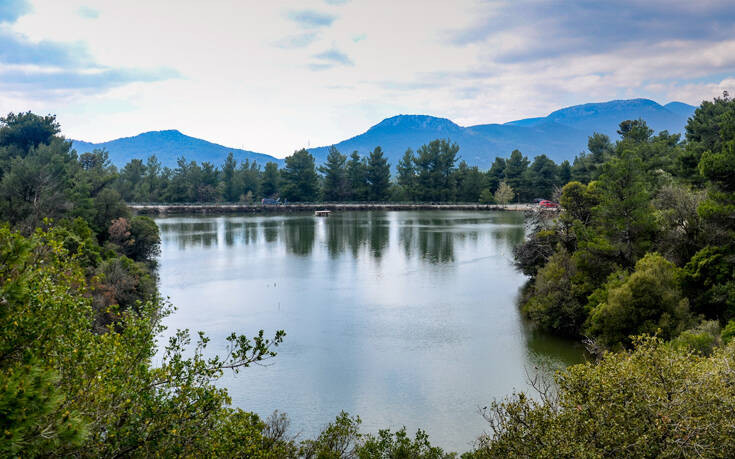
(702, 339)
(656, 401)
(552, 303)
(648, 301)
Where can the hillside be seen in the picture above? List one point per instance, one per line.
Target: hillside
(168, 146)
(560, 135)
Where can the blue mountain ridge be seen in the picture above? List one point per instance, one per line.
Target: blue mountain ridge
(560, 135)
(168, 146)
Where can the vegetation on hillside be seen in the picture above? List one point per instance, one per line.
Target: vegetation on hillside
(643, 246)
(646, 245)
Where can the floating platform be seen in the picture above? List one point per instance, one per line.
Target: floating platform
(322, 213)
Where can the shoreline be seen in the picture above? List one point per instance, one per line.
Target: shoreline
(166, 209)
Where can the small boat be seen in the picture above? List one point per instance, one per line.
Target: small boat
(322, 213)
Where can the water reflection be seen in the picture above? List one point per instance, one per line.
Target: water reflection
(299, 235)
(354, 233)
(189, 232)
(405, 318)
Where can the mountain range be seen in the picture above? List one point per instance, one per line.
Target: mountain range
(560, 135)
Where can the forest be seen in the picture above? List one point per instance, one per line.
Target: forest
(433, 173)
(639, 264)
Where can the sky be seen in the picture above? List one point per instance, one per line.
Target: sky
(274, 76)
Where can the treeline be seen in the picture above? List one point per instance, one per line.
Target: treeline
(433, 173)
(646, 246)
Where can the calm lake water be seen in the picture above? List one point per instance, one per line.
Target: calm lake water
(404, 318)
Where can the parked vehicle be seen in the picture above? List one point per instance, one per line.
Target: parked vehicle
(548, 204)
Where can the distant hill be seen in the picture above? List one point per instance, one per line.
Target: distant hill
(560, 135)
(168, 146)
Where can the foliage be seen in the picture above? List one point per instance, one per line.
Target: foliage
(378, 176)
(504, 194)
(553, 304)
(648, 301)
(300, 182)
(336, 187)
(703, 339)
(96, 394)
(654, 401)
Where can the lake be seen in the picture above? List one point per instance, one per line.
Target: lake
(404, 318)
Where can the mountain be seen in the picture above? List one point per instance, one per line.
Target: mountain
(168, 146)
(560, 135)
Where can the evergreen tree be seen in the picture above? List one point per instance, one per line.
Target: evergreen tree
(435, 180)
(357, 177)
(565, 173)
(514, 174)
(407, 175)
(541, 177)
(496, 174)
(300, 181)
(336, 187)
(271, 183)
(378, 176)
(230, 191)
(470, 183)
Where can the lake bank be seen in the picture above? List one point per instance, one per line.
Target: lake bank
(177, 209)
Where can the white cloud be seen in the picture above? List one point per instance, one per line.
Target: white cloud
(248, 75)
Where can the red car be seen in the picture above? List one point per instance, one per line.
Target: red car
(548, 204)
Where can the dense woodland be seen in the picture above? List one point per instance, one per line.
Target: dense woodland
(640, 262)
(434, 173)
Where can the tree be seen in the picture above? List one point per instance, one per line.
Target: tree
(230, 192)
(407, 175)
(300, 182)
(435, 179)
(22, 132)
(357, 177)
(636, 131)
(336, 187)
(34, 186)
(504, 194)
(541, 177)
(600, 147)
(271, 183)
(648, 301)
(625, 209)
(514, 174)
(130, 180)
(495, 174)
(378, 176)
(470, 183)
(553, 304)
(565, 173)
(704, 133)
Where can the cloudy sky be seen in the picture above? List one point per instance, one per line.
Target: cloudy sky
(273, 76)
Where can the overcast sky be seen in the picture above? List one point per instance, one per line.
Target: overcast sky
(273, 76)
